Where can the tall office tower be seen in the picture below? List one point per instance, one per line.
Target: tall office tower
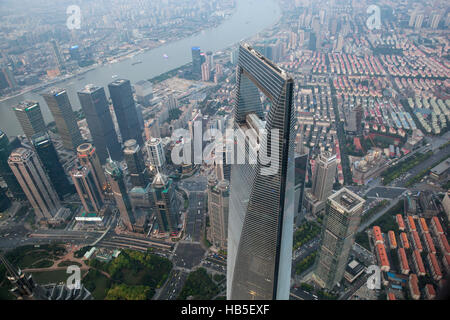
(156, 152)
(301, 164)
(435, 19)
(419, 21)
(210, 59)
(115, 178)
(358, 113)
(324, 175)
(196, 62)
(218, 204)
(412, 18)
(343, 214)
(135, 162)
(96, 108)
(46, 152)
(166, 204)
(30, 118)
(66, 123)
(339, 43)
(5, 170)
(57, 55)
(34, 182)
(88, 189)
(75, 55)
(233, 56)
(125, 110)
(206, 72)
(260, 225)
(172, 103)
(88, 158)
(144, 92)
(152, 129)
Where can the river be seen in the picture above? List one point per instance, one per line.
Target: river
(249, 18)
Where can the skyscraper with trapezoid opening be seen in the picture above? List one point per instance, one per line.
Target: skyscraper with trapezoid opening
(261, 216)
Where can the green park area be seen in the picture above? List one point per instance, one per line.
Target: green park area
(402, 167)
(374, 210)
(200, 286)
(31, 256)
(133, 276)
(306, 263)
(305, 233)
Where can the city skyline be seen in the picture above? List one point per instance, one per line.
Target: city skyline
(224, 150)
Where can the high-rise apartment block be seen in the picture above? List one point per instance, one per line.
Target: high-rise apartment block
(218, 198)
(46, 152)
(98, 116)
(88, 189)
(166, 204)
(322, 182)
(135, 162)
(30, 118)
(66, 123)
(144, 92)
(35, 183)
(342, 218)
(88, 158)
(115, 177)
(156, 152)
(125, 110)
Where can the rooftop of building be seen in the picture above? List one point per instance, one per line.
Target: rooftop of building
(26, 105)
(441, 167)
(347, 199)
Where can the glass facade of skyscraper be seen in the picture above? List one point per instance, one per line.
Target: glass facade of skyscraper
(262, 196)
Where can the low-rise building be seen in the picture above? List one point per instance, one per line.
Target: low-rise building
(436, 272)
(404, 240)
(418, 263)
(436, 226)
(404, 266)
(382, 257)
(443, 244)
(400, 222)
(377, 236)
(392, 240)
(429, 291)
(414, 286)
(429, 243)
(416, 241)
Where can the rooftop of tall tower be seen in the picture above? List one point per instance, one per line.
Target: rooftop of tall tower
(20, 155)
(55, 91)
(90, 88)
(269, 63)
(118, 82)
(26, 105)
(347, 200)
(160, 179)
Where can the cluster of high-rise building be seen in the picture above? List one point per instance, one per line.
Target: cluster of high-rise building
(33, 168)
